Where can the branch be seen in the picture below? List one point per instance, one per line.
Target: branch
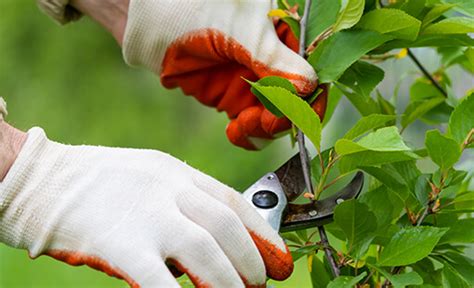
(327, 250)
(426, 73)
(304, 153)
(426, 212)
(300, 135)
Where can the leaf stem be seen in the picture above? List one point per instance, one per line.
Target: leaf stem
(426, 73)
(468, 140)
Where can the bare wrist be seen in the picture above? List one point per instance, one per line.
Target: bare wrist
(11, 142)
(111, 14)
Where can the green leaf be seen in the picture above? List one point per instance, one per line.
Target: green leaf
(410, 245)
(271, 81)
(435, 13)
(386, 107)
(292, 237)
(365, 106)
(464, 6)
(349, 15)
(362, 77)
(419, 108)
(408, 171)
(346, 281)
(454, 25)
(335, 54)
(386, 205)
(469, 53)
(388, 179)
(323, 14)
(462, 119)
(465, 201)
(452, 278)
(372, 158)
(430, 40)
(385, 139)
(461, 232)
(357, 223)
(406, 279)
(303, 251)
(460, 266)
(391, 21)
(320, 277)
(423, 89)
(413, 7)
(426, 269)
(296, 109)
(422, 189)
(444, 151)
(400, 280)
(368, 123)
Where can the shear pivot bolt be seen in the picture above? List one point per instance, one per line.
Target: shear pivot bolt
(313, 213)
(270, 177)
(265, 199)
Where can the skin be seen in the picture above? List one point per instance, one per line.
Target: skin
(11, 141)
(112, 16)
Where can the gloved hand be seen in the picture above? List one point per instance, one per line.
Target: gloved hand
(206, 47)
(126, 212)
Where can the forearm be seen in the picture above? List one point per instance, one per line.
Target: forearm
(11, 141)
(111, 14)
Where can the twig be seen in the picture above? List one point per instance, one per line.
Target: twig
(333, 181)
(426, 73)
(303, 21)
(426, 212)
(395, 271)
(300, 135)
(305, 161)
(327, 250)
(304, 152)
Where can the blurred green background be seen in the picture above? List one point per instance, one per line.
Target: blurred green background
(72, 82)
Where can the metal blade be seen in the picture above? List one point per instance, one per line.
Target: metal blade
(291, 178)
(320, 213)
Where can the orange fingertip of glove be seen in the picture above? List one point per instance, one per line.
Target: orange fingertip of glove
(78, 259)
(247, 124)
(278, 263)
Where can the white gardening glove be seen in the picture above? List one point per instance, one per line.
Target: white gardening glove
(127, 211)
(206, 47)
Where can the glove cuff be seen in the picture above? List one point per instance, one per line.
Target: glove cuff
(22, 207)
(59, 10)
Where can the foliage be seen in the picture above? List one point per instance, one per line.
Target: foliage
(411, 225)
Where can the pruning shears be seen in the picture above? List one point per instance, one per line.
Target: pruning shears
(272, 195)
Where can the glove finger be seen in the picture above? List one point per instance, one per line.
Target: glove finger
(220, 86)
(274, 252)
(246, 130)
(270, 57)
(139, 271)
(229, 232)
(187, 253)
